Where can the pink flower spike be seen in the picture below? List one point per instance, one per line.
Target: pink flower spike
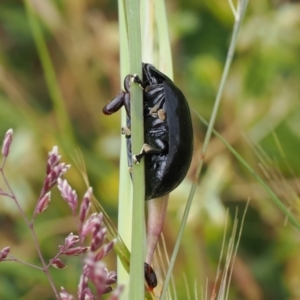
(108, 247)
(98, 237)
(75, 251)
(57, 263)
(107, 290)
(111, 277)
(100, 254)
(61, 169)
(71, 240)
(67, 193)
(7, 142)
(64, 295)
(54, 175)
(85, 205)
(53, 159)
(88, 295)
(43, 203)
(88, 225)
(98, 275)
(83, 283)
(4, 252)
(105, 250)
(89, 260)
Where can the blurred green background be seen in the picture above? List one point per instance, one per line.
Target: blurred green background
(259, 116)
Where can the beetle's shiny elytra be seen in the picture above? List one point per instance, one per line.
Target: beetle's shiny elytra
(168, 131)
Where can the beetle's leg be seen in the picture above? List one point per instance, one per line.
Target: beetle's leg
(160, 148)
(126, 131)
(136, 158)
(137, 79)
(156, 107)
(161, 114)
(157, 97)
(132, 78)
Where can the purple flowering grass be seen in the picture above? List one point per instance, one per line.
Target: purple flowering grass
(95, 280)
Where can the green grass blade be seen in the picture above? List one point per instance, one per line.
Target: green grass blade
(136, 284)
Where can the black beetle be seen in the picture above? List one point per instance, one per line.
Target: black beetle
(168, 147)
(168, 130)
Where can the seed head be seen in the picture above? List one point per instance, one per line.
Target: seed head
(53, 159)
(4, 252)
(67, 193)
(43, 203)
(85, 204)
(7, 142)
(57, 263)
